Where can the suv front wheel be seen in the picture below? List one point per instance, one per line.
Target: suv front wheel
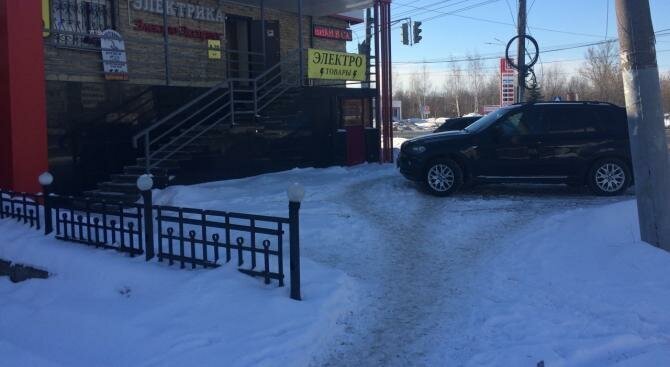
(609, 177)
(443, 177)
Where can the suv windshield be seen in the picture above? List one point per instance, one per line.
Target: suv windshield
(487, 120)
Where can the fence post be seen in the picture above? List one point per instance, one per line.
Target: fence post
(296, 193)
(144, 184)
(45, 180)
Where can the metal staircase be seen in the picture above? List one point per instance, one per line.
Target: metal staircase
(173, 142)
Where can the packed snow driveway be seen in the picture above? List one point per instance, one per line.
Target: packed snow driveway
(417, 277)
(495, 276)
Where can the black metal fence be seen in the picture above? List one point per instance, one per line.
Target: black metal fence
(20, 206)
(206, 238)
(189, 237)
(116, 226)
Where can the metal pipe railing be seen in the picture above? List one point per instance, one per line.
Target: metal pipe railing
(258, 85)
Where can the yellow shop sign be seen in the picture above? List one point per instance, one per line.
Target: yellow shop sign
(324, 64)
(46, 17)
(214, 49)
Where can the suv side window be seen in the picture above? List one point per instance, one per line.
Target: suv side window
(570, 120)
(613, 122)
(520, 123)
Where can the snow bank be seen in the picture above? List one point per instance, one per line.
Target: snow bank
(101, 308)
(576, 289)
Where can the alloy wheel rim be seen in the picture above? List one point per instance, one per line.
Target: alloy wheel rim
(441, 177)
(610, 177)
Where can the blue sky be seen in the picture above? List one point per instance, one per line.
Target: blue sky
(553, 23)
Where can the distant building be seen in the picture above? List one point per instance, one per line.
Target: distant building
(397, 110)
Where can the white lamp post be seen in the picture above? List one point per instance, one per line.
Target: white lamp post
(295, 193)
(46, 179)
(144, 184)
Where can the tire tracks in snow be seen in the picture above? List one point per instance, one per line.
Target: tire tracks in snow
(419, 278)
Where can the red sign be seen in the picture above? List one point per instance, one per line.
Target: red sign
(333, 33)
(505, 66)
(507, 78)
(181, 31)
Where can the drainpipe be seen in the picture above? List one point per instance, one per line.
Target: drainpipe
(300, 44)
(166, 47)
(265, 58)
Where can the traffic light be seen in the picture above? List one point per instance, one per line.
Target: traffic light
(405, 34)
(416, 31)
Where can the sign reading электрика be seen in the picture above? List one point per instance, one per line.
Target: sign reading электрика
(179, 9)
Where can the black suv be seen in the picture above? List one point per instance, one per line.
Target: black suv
(458, 123)
(576, 143)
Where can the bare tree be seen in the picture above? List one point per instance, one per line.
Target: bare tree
(475, 74)
(665, 90)
(554, 82)
(603, 73)
(426, 86)
(455, 81)
(490, 94)
(418, 88)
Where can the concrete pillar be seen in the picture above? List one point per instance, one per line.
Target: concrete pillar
(23, 133)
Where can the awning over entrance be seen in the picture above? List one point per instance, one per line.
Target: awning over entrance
(313, 7)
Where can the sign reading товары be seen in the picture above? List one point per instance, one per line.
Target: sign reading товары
(180, 9)
(324, 64)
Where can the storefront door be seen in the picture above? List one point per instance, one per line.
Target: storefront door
(354, 120)
(238, 42)
(272, 51)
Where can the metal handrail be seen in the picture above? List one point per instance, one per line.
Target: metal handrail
(193, 126)
(167, 118)
(257, 83)
(173, 128)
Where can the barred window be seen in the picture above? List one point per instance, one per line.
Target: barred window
(79, 23)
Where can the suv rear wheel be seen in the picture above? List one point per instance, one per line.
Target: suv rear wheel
(609, 177)
(443, 177)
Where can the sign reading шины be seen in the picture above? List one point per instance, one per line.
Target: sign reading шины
(324, 64)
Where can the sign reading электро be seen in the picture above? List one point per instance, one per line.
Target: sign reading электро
(324, 64)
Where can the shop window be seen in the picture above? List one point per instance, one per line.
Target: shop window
(356, 112)
(79, 23)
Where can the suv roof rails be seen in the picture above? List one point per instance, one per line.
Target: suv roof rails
(565, 102)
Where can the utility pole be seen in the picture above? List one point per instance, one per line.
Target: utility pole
(645, 120)
(521, 51)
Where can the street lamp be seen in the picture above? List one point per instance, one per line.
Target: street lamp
(295, 193)
(45, 180)
(144, 184)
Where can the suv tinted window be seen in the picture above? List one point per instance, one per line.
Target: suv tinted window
(520, 123)
(567, 120)
(613, 121)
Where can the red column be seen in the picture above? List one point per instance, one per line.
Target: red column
(23, 135)
(385, 88)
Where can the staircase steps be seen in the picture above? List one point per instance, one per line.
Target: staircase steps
(120, 187)
(204, 141)
(168, 164)
(137, 169)
(112, 196)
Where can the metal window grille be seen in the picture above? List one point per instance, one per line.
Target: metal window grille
(20, 206)
(79, 23)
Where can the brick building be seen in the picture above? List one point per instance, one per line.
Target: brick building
(195, 89)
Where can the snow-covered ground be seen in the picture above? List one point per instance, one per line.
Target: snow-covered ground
(496, 276)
